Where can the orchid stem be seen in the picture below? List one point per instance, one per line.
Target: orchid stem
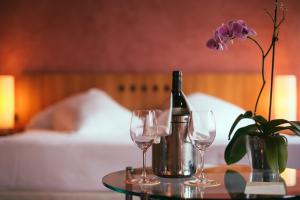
(262, 72)
(264, 55)
(273, 58)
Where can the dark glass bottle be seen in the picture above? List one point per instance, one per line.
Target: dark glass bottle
(174, 156)
(179, 104)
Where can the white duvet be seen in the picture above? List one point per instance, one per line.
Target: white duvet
(51, 161)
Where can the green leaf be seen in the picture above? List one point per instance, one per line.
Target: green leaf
(281, 128)
(282, 152)
(294, 126)
(276, 122)
(276, 152)
(271, 150)
(236, 149)
(261, 122)
(260, 119)
(247, 114)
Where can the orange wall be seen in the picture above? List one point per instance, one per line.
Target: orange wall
(138, 35)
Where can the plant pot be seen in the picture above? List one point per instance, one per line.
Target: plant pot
(261, 170)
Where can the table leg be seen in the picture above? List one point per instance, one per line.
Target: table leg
(145, 196)
(128, 197)
(128, 176)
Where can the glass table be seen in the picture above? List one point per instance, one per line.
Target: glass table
(235, 183)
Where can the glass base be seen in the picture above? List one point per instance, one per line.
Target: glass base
(143, 181)
(203, 183)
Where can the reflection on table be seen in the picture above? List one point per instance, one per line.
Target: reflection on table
(233, 181)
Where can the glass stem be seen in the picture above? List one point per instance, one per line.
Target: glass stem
(144, 165)
(201, 176)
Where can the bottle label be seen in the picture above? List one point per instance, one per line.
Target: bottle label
(180, 111)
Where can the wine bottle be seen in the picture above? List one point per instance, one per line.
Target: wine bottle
(179, 104)
(174, 156)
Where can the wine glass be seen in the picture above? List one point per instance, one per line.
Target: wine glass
(163, 124)
(143, 132)
(202, 132)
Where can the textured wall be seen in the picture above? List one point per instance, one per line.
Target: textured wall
(136, 35)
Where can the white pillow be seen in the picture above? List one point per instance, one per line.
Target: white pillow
(92, 112)
(225, 112)
(43, 119)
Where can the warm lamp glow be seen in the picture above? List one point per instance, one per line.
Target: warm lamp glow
(7, 102)
(285, 97)
(289, 176)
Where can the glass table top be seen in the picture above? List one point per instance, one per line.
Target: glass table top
(234, 181)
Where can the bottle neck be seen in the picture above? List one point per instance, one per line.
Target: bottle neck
(176, 83)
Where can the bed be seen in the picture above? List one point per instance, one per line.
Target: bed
(60, 153)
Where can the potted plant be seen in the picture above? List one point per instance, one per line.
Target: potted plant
(265, 145)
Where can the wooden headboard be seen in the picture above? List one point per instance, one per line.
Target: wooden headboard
(38, 90)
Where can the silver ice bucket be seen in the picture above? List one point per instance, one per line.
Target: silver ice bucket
(174, 156)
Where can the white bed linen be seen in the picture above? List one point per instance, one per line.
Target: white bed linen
(51, 161)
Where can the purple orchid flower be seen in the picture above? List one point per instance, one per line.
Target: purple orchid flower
(214, 44)
(223, 33)
(227, 32)
(241, 30)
